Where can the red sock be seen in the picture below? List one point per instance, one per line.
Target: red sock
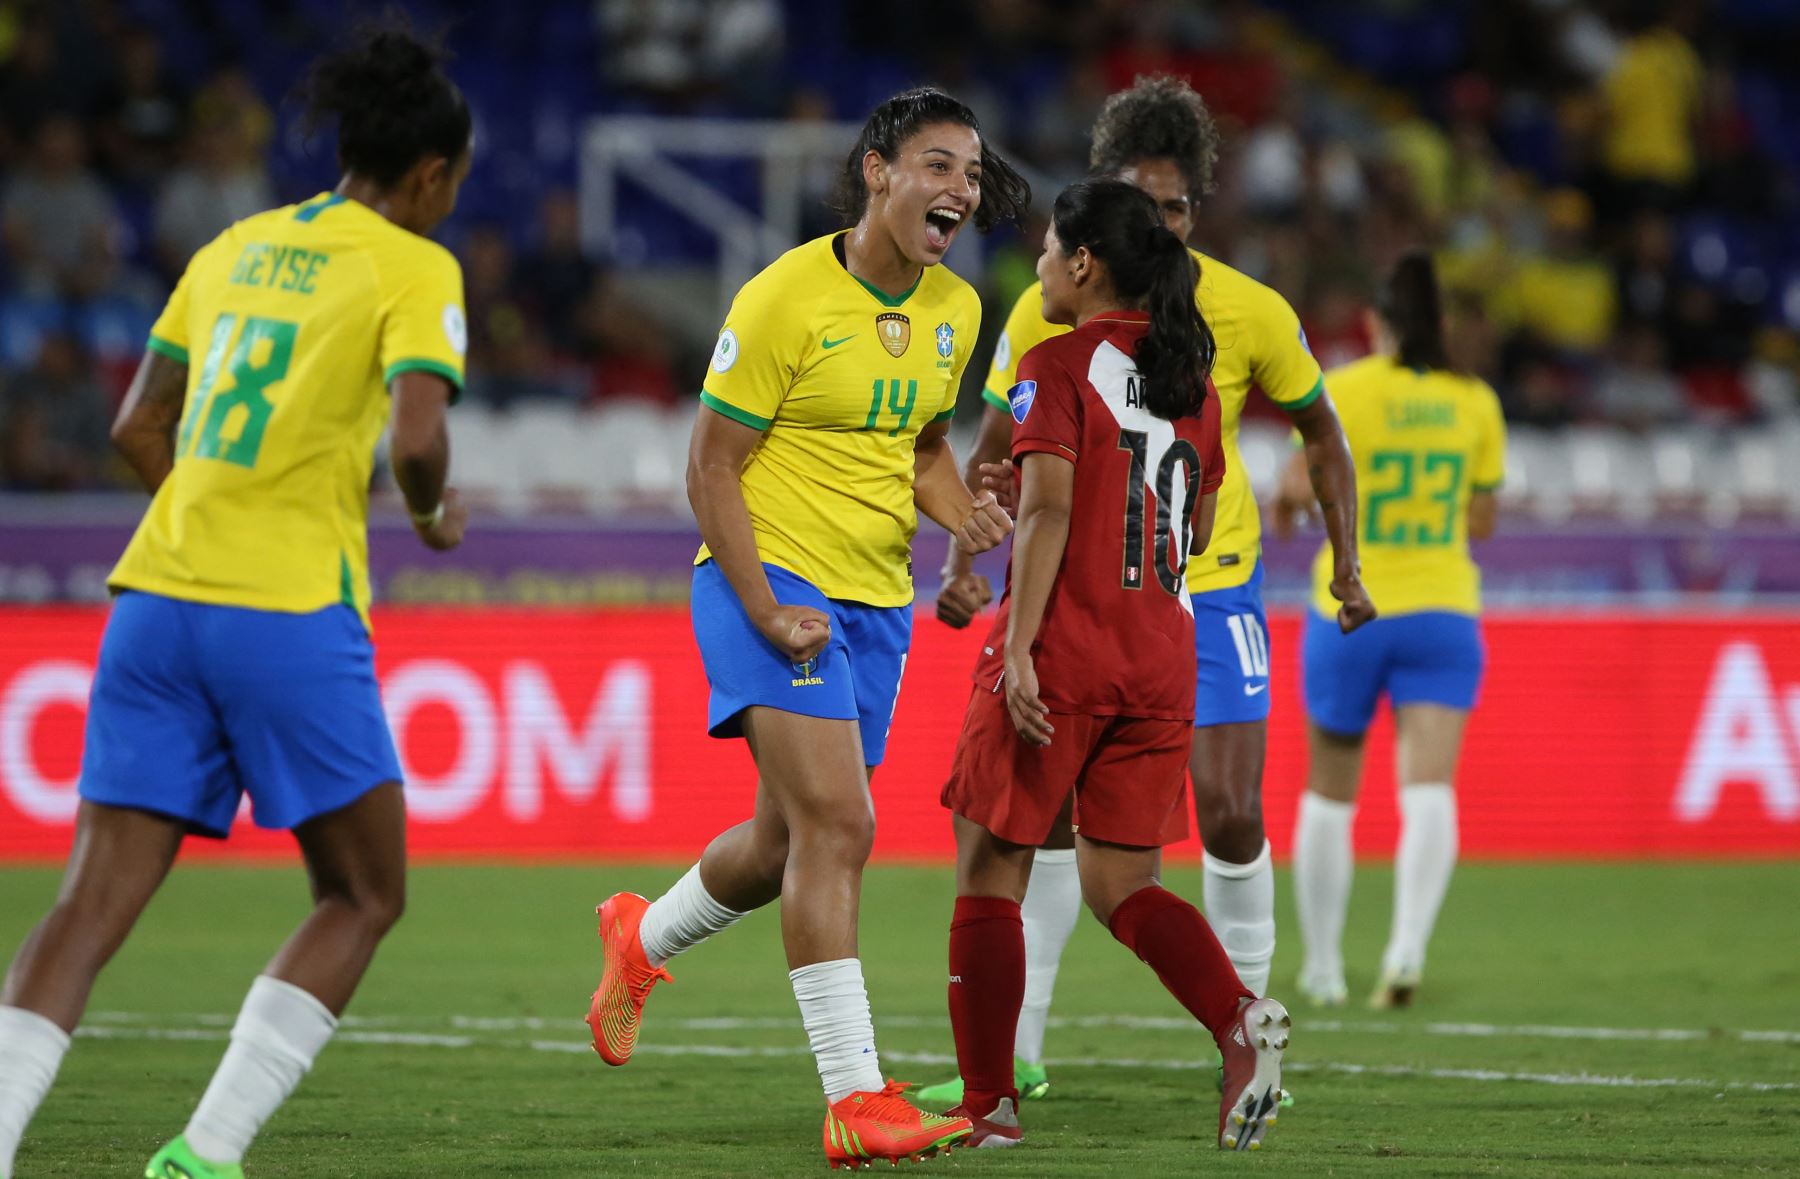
(987, 988)
(1171, 935)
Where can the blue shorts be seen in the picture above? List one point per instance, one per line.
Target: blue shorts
(1434, 657)
(195, 705)
(1231, 641)
(856, 677)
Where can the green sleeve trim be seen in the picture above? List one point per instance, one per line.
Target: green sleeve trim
(1488, 487)
(997, 400)
(1312, 395)
(162, 347)
(742, 416)
(420, 364)
(945, 416)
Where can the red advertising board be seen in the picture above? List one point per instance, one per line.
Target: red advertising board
(582, 734)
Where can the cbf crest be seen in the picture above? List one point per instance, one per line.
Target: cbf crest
(894, 331)
(946, 340)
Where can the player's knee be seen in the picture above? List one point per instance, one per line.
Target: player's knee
(377, 905)
(846, 834)
(1230, 829)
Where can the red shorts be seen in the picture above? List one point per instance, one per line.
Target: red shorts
(1129, 775)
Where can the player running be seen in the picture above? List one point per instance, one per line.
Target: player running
(1084, 693)
(237, 657)
(1430, 449)
(1159, 136)
(823, 432)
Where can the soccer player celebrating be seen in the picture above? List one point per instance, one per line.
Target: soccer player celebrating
(1085, 690)
(1430, 452)
(237, 657)
(823, 431)
(1159, 136)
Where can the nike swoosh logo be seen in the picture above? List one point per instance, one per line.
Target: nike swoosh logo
(1256, 690)
(828, 343)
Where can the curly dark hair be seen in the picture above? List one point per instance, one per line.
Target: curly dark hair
(1160, 117)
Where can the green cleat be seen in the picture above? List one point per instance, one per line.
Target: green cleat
(1029, 1079)
(178, 1161)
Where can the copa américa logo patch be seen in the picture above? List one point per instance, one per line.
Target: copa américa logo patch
(1020, 397)
(725, 353)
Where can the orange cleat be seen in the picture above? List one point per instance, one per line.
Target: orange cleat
(865, 1128)
(625, 981)
(1251, 1055)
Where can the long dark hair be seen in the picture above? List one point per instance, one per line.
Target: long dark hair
(1005, 196)
(392, 101)
(1120, 225)
(1414, 310)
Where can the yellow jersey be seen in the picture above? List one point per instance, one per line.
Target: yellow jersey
(1653, 97)
(297, 319)
(1260, 343)
(840, 378)
(1424, 441)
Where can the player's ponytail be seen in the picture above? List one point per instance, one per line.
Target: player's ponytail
(1414, 311)
(1150, 268)
(392, 101)
(1005, 195)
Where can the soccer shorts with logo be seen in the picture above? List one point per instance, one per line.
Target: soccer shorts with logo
(1432, 657)
(195, 705)
(1231, 645)
(1129, 775)
(856, 677)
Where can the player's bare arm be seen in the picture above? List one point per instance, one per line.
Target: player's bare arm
(1333, 477)
(1294, 502)
(976, 520)
(420, 451)
(716, 456)
(144, 431)
(965, 593)
(1043, 535)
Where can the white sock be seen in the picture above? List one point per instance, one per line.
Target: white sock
(1422, 870)
(834, 1006)
(1051, 906)
(682, 918)
(31, 1050)
(278, 1032)
(1240, 904)
(1322, 870)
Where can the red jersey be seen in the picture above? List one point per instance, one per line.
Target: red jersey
(1118, 631)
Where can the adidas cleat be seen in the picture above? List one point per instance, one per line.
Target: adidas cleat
(178, 1161)
(1251, 1055)
(625, 980)
(1000, 1127)
(866, 1128)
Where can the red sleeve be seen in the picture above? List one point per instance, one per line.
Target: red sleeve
(1212, 451)
(1046, 405)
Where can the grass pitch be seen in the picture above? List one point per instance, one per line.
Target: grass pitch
(1576, 1020)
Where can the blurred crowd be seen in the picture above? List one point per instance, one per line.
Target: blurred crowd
(1609, 185)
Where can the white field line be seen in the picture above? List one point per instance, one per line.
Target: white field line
(1523, 1031)
(145, 1031)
